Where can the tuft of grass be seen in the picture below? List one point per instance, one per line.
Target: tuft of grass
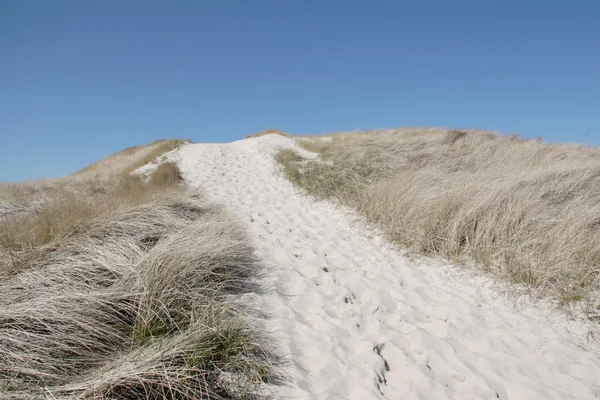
(521, 210)
(290, 160)
(455, 135)
(268, 132)
(288, 157)
(127, 288)
(166, 175)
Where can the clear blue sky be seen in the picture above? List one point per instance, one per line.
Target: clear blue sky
(82, 79)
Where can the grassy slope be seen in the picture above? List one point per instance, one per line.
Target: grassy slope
(125, 288)
(521, 210)
(128, 160)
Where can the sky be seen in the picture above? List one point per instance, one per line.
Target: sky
(82, 79)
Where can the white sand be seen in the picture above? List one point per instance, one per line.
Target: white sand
(359, 320)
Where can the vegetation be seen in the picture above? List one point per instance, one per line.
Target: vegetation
(130, 287)
(130, 159)
(521, 210)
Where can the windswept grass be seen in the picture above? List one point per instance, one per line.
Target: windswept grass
(127, 288)
(130, 159)
(522, 210)
(267, 132)
(112, 171)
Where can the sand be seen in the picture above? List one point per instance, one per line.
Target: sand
(357, 318)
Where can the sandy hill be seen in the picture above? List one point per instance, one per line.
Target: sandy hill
(289, 266)
(360, 318)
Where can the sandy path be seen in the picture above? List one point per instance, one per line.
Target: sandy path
(358, 320)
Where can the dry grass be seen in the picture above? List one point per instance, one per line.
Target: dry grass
(267, 132)
(130, 159)
(70, 210)
(113, 170)
(521, 210)
(166, 175)
(127, 288)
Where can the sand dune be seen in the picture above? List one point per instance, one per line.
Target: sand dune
(359, 319)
